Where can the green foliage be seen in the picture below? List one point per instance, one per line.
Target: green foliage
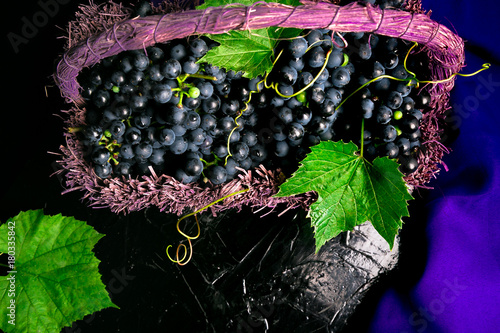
(249, 51)
(351, 191)
(56, 274)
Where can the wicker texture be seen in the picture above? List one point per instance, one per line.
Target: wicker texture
(444, 49)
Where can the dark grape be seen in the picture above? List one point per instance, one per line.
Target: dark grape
(193, 167)
(216, 174)
(103, 170)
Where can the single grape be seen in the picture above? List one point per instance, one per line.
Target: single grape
(138, 102)
(226, 124)
(318, 125)
(118, 78)
(399, 72)
(317, 95)
(176, 115)
(335, 60)
(390, 60)
(208, 122)
(143, 150)
(196, 136)
(178, 52)
(287, 75)
(340, 77)
(182, 176)
(231, 167)
(193, 167)
(394, 100)
(384, 115)
(117, 129)
(230, 107)
(295, 131)
(140, 61)
(93, 133)
(142, 120)
(422, 100)
(285, 115)
(126, 65)
(408, 104)
(408, 164)
(103, 170)
(126, 151)
(211, 104)
(314, 36)
(303, 115)
(281, 148)
(101, 98)
(216, 174)
(157, 156)
(155, 53)
(192, 121)
(171, 68)
(198, 47)
(293, 102)
(403, 144)
(239, 151)
(410, 124)
(327, 108)
(123, 169)
(249, 137)
(258, 153)
(304, 78)
(179, 129)
(316, 57)
(389, 133)
(367, 107)
(390, 150)
(100, 155)
(364, 51)
(179, 146)
(166, 136)
(190, 66)
(135, 77)
(133, 135)
(206, 89)
(154, 73)
(297, 47)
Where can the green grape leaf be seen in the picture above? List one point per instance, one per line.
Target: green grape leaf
(53, 278)
(351, 191)
(248, 51)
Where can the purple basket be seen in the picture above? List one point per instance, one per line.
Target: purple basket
(113, 31)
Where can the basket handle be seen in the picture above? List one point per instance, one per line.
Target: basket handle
(141, 32)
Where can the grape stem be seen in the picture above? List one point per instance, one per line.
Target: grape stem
(362, 137)
(412, 80)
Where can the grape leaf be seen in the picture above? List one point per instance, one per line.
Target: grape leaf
(248, 51)
(351, 191)
(56, 275)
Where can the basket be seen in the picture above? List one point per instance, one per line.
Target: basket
(112, 34)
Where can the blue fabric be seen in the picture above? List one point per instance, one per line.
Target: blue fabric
(459, 287)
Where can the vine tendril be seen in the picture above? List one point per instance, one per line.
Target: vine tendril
(183, 261)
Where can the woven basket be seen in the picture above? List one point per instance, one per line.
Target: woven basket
(112, 34)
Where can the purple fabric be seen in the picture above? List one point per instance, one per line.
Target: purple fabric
(459, 289)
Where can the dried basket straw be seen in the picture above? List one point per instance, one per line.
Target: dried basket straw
(444, 49)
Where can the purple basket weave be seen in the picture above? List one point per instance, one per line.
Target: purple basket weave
(118, 32)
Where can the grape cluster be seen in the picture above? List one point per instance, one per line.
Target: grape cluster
(163, 110)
